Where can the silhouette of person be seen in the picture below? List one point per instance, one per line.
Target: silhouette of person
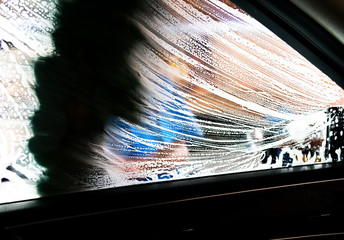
(85, 81)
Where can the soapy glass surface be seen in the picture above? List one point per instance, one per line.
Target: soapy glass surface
(222, 94)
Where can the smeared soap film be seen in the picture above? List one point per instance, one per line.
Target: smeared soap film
(206, 66)
(259, 103)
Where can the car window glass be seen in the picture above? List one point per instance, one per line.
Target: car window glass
(220, 93)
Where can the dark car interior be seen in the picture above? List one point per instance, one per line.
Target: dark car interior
(301, 202)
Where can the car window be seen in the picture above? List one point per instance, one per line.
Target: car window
(218, 93)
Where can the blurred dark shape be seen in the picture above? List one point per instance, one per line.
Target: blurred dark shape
(86, 80)
(287, 160)
(273, 152)
(335, 133)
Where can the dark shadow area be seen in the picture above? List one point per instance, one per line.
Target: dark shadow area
(270, 204)
(86, 80)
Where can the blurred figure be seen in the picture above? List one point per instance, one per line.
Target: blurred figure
(313, 147)
(271, 152)
(335, 133)
(159, 142)
(273, 134)
(287, 160)
(87, 80)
